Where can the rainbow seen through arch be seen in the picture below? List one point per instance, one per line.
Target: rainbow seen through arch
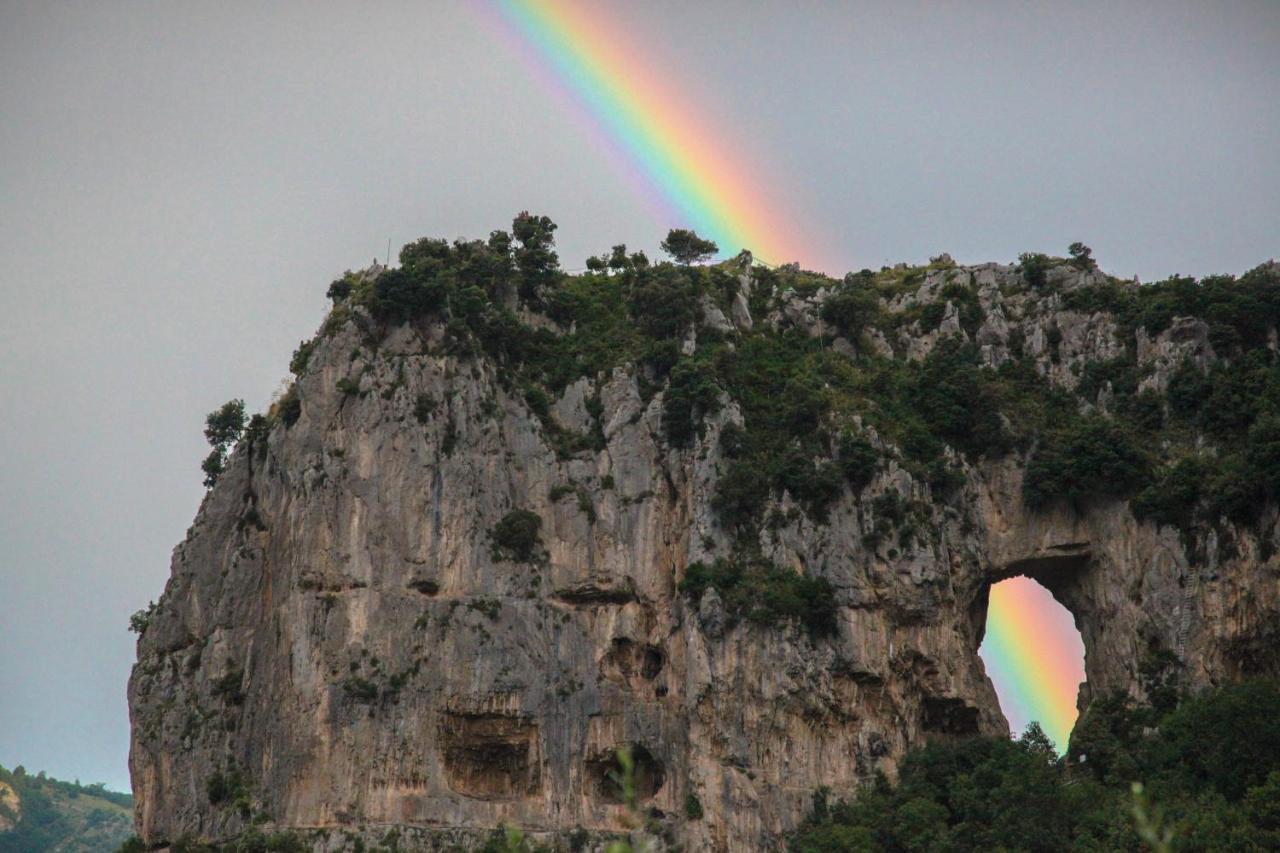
(1034, 656)
(673, 158)
(694, 178)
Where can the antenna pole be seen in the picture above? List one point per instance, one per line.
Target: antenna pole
(388, 263)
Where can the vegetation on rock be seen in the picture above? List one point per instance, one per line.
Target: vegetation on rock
(222, 428)
(41, 813)
(516, 535)
(1211, 767)
(765, 594)
(797, 416)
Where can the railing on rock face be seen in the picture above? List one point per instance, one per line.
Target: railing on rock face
(1187, 607)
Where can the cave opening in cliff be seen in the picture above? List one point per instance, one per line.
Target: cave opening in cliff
(1034, 655)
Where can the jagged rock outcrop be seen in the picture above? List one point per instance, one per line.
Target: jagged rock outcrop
(345, 645)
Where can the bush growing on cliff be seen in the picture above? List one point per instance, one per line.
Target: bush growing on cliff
(859, 461)
(691, 395)
(959, 401)
(1173, 497)
(664, 302)
(1035, 268)
(851, 309)
(516, 535)
(141, 619)
(222, 428)
(224, 425)
(1091, 458)
(765, 594)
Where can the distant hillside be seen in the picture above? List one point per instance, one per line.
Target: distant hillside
(38, 813)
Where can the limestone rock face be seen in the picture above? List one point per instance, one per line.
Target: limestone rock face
(343, 644)
(12, 812)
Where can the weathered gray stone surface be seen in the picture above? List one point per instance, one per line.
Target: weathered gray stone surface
(338, 631)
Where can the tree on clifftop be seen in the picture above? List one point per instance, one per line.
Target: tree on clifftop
(687, 247)
(222, 428)
(1082, 256)
(535, 255)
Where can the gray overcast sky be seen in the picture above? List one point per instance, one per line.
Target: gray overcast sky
(180, 181)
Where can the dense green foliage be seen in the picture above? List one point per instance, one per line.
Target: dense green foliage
(852, 308)
(1207, 450)
(51, 814)
(222, 428)
(765, 594)
(1210, 768)
(516, 535)
(1217, 427)
(798, 423)
(1084, 458)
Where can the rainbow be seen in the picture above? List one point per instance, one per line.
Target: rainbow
(1034, 656)
(694, 180)
(696, 176)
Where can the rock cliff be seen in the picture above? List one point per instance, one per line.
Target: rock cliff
(448, 576)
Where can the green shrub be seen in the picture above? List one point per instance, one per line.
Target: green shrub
(691, 395)
(213, 466)
(851, 309)
(692, 807)
(289, 407)
(538, 401)
(516, 535)
(741, 494)
(664, 302)
(360, 689)
(814, 483)
(1209, 767)
(1094, 298)
(534, 256)
(339, 289)
(959, 401)
(141, 619)
(931, 316)
(1235, 490)
(1093, 457)
(765, 594)
(399, 295)
(1035, 268)
(222, 428)
(302, 356)
(228, 788)
(424, 406)
(1081, 256)
(230, 687)
(1173, 497)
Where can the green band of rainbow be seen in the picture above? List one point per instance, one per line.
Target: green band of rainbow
(696, 173)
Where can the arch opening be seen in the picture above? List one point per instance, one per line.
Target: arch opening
(1034, 655)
